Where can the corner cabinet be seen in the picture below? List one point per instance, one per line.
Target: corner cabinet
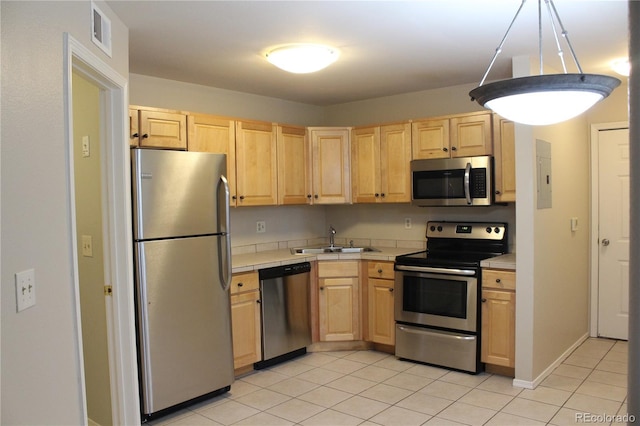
(339, 300)
(464, 135)
(294, 165)
(498, 317)
(504, 151)
(209, 133)
(157, 128)
(330, 165)
(245, 319)
(380, 286)
(256, 164)
(380, 158)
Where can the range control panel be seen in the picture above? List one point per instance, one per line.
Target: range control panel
(471, 230)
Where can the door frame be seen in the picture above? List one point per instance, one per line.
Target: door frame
(594, 243)
(118, 250)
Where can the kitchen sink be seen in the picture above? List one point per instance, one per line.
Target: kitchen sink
(334, 249)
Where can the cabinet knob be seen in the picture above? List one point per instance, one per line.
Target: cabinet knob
(321, 288)
(241, 197)
(453, 148)
(315, 196)
(391, 290)
(380, 270)
(377, 195)
(145, 136)
(233, 197)
(497, 192)
(484, 300)
(135, 135)
(498, 280)
(240, 284)
(258, 301)
(445, 149)
(382, 195)
(309, 196)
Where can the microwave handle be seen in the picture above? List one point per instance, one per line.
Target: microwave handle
(467, 183)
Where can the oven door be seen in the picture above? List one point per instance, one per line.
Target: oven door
(437, 297)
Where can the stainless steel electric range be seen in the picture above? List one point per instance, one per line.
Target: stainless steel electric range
(437, 303)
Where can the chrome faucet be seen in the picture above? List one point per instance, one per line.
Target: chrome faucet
(332, 235)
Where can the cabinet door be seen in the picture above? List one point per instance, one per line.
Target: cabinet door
(208, 133)
(245, 324)
(134, 131)
(330, 165)
(256, 164)
(430, 139)
(160, 129)
(381, 320)
(339, 309)
(365, 165)
(498, 327)
(294, 166)
(395, 158)
(504, 151)
(471, 135)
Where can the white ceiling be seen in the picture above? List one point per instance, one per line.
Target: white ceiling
(387, 47)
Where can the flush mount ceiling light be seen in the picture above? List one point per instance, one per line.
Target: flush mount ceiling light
(302, 58)
(543, 99)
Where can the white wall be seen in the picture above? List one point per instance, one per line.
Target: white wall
(40, 358)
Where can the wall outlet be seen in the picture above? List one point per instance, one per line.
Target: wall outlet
(407, 223)
(25, 289)
(261, 227)
(87, 246)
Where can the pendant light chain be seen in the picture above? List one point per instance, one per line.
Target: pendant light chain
(551, 8)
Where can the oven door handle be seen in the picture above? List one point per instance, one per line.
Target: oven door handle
(467, 183)
(428, 269)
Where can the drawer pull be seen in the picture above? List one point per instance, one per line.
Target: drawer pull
(391, 290)
(321, 288)
(258, 301)
(484, 300)
(240, 284)
(498, 280)
(380, 271)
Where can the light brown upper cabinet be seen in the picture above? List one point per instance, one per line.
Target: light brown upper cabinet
(380, 159)
(452, 136)
(331, 179)
(210, 133)
(158, 128)
(504, 151)
(256, 164)
(294, 166)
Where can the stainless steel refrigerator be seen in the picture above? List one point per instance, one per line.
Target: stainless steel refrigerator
(183, 271)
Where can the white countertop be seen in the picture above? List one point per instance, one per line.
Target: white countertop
(506, 261)
(267, 259)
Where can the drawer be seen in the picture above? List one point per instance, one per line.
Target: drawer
(245, 281)
(382, 270)
(498, 279)
(338, 269)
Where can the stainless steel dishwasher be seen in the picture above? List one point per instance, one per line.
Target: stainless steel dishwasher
(286, 322)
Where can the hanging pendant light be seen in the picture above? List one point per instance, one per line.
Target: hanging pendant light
(543, 99)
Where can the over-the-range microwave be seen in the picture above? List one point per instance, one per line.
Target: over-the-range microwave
(463, 181)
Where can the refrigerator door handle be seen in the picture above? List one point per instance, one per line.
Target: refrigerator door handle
(223, 227)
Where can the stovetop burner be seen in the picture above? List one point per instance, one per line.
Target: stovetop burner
(457, 244)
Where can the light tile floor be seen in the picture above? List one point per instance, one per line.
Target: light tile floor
(373, 388)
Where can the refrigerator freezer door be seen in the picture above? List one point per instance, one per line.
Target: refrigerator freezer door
(184, 321)
(175, 193)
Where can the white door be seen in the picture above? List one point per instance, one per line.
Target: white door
(613, 233)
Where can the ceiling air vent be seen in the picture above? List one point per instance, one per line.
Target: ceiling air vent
(100, 29)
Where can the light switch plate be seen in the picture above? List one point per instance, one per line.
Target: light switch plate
(25, 289)
(86, 146)
(87, 246)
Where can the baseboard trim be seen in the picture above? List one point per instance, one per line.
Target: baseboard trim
(533, 384)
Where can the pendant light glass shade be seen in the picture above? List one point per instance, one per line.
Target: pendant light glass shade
(544, 99)
(302, 58)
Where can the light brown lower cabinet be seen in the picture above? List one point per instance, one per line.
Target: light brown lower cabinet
(498, 317)
(339, 300)
(380, 286)
(245, 319)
